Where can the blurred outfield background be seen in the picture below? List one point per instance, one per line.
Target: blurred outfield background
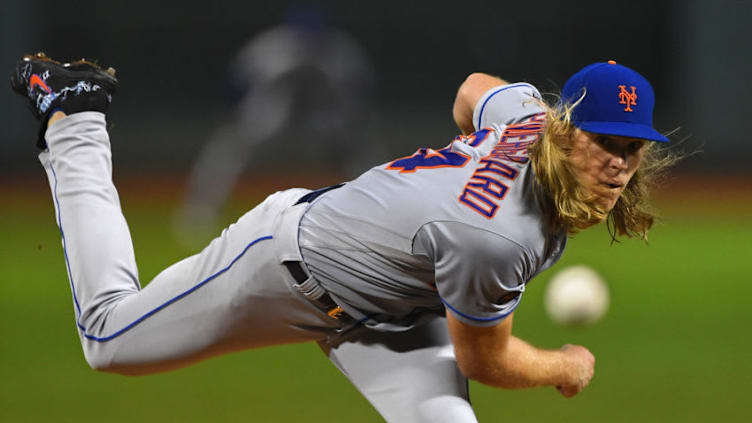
(675, 344)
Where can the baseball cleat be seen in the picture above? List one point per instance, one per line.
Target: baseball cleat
(68, 87)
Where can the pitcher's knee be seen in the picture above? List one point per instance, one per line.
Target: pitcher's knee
(110, 359)
(100, 358)
(105, 365)
(97, 360)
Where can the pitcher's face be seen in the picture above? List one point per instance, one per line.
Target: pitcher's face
(605, 163)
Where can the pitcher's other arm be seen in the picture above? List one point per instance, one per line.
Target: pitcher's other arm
(492, 356)
(471, 90)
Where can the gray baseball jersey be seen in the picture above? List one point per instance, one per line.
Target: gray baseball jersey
(457, 227)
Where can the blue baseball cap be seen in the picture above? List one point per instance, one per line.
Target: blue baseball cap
(618, 101)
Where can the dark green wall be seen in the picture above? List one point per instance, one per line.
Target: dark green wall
(172, 59)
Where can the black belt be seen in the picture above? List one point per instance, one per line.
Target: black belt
(324, 302)
(295, 268)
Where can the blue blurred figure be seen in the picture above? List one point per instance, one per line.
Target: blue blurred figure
(304, 84)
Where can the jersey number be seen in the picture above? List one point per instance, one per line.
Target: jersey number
(427, 158)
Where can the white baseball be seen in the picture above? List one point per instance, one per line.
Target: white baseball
(576, 295)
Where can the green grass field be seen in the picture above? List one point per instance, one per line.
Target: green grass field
(674, 346)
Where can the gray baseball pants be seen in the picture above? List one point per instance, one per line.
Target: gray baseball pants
(233, 295)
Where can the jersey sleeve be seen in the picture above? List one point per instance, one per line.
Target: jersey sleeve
(506, 104)
(480, 276)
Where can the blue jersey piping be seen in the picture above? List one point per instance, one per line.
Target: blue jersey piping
(477, 319)
(65, 249)
(506, 87)
(153, 311)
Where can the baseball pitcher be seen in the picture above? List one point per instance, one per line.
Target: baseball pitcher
(407, 276)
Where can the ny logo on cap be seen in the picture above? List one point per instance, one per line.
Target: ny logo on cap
(625, 97)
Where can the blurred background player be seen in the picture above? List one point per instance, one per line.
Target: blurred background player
(300, 89)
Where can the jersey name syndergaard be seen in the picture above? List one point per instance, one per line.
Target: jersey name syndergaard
(456, 228)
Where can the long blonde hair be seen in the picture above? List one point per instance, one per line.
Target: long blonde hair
(568, 204)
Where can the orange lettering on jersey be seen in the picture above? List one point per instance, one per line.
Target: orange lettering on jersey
(627, 98)
(489, 184)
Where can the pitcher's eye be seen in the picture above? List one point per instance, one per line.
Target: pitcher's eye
(636, 145)
(604, 141)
